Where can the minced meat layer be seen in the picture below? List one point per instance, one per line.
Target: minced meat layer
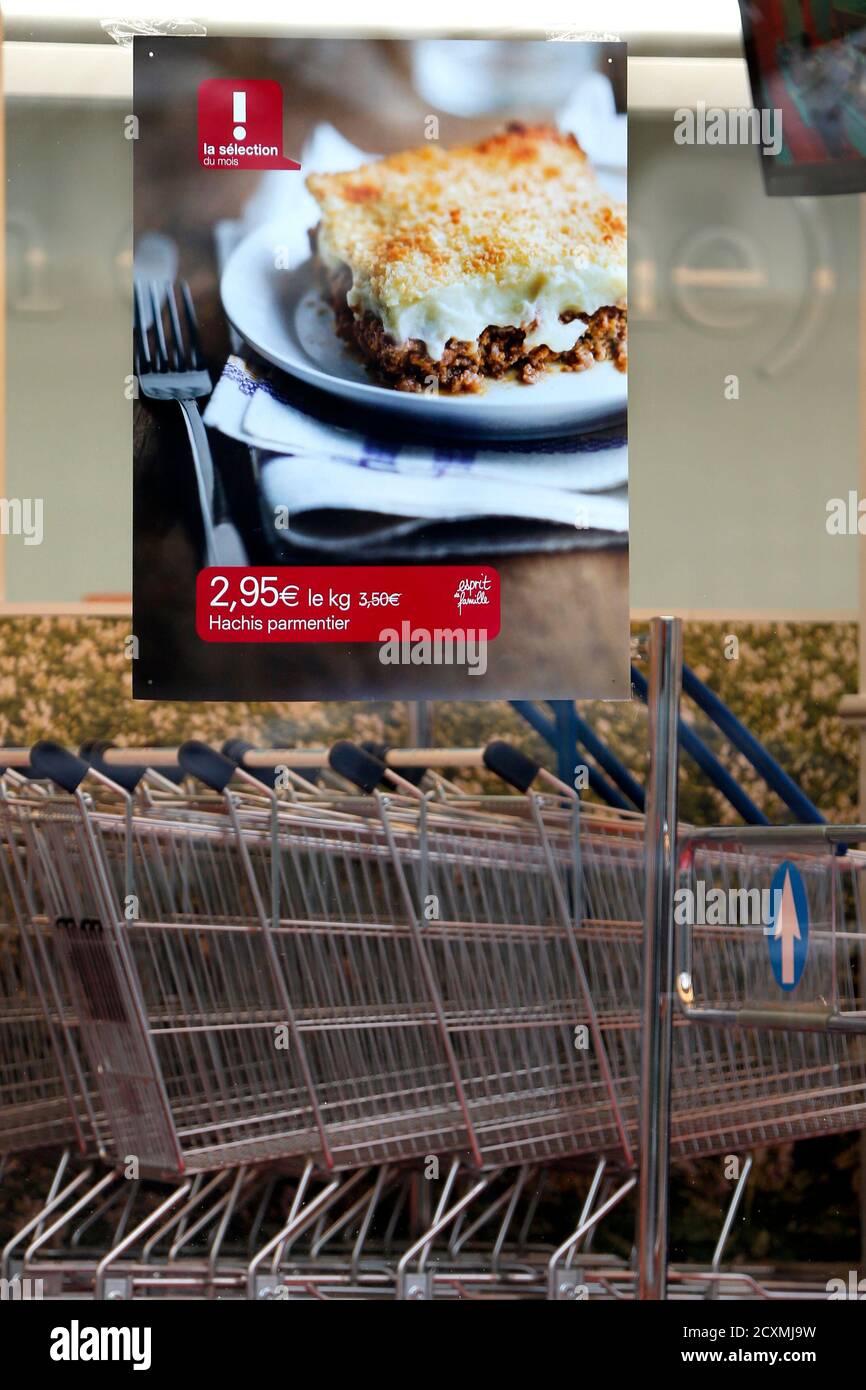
(465, 366)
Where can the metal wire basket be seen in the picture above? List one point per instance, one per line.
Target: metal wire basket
(365, 980)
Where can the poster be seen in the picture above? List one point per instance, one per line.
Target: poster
(380, 369)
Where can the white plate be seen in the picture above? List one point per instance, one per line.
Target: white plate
(282, 315)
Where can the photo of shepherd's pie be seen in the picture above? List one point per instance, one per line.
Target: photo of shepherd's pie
(450, 267)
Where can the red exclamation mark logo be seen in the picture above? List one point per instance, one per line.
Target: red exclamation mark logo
(239, 115)
(240, 124)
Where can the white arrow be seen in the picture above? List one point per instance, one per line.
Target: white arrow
(788, 928)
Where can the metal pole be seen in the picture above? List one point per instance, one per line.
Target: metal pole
(419, 723)
(666, 663)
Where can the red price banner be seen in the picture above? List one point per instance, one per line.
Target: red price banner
(354, 603)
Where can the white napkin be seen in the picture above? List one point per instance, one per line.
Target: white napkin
(290, 482)
(310, 464)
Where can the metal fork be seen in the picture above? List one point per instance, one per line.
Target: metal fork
(175, 371)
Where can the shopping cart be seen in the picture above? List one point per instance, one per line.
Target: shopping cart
(282, 986)
(270, 1231)
(379, 978)
(46, 1098)
(38, 1103)
(345, 982)
(783, 1063)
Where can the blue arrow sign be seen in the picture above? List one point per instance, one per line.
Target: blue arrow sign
(788, 932)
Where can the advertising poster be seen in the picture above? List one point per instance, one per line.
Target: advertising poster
(380, 434)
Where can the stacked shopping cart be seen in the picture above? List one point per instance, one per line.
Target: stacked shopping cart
(404, 1006)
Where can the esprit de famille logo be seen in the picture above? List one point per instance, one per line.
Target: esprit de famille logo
(473, 593)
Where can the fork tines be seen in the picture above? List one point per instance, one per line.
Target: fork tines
(173, 350)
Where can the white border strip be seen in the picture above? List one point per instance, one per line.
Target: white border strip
(103, 72)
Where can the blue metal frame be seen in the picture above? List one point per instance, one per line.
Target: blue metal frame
(616, 770)
(763, 762)
(710, 765)
(567, 731)
(567, 752)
